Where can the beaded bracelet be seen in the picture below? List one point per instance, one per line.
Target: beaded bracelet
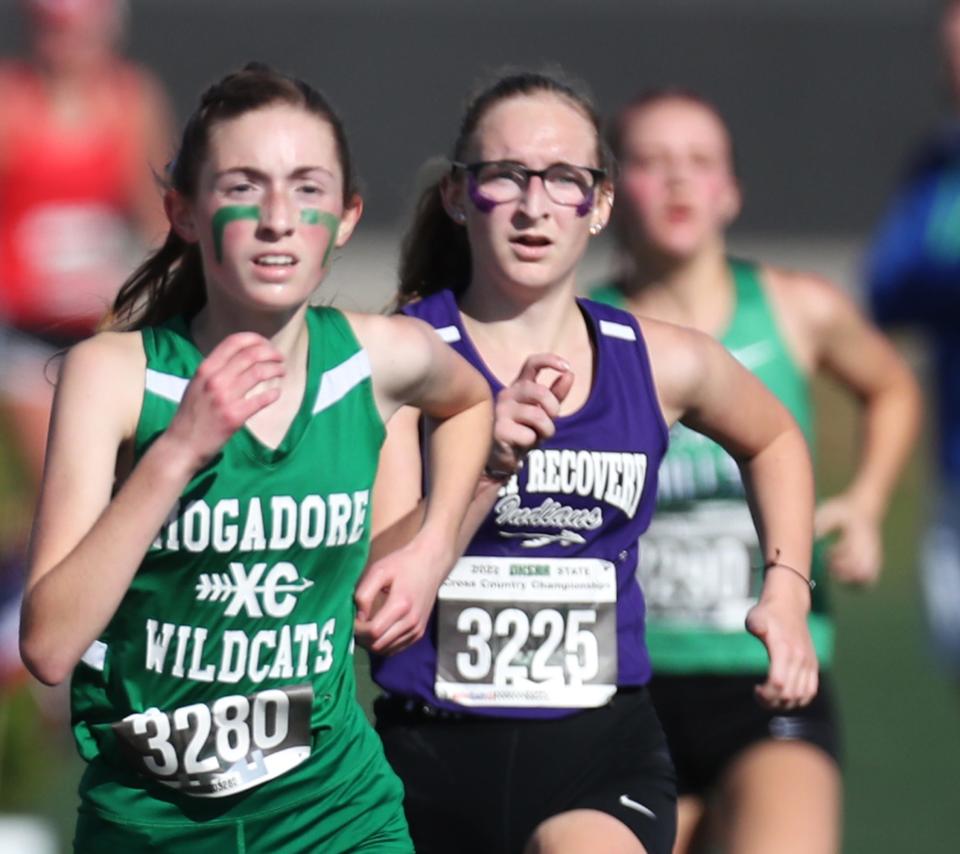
(774, 563)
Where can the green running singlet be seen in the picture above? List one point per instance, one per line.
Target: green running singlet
(218, 706)
(700, 559)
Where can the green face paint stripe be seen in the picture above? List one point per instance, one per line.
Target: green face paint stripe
(311, 216)
(227, 214)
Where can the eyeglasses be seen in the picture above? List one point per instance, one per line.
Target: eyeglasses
(495, 182)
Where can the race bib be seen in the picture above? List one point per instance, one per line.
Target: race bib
(535, 633)
(209, 750)
(699, 568)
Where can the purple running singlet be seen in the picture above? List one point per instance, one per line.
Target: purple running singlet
(543, 614)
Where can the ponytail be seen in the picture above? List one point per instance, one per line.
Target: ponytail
(435, 253)
(169, 283)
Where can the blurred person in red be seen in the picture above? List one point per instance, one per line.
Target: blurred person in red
(81, 132)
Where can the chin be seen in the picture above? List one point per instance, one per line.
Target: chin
(677, 247)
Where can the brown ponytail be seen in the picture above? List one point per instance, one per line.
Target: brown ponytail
(435, 253)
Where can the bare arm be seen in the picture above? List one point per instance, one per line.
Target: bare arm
(699, 383)
(394, 608)
(412, 367)
(86, 546)
(846, 346)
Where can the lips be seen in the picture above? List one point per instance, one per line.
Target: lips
(530, 247)
(679, 213)
(275, 259)
(531, 240)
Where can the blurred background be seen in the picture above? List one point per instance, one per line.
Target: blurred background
(826, 100)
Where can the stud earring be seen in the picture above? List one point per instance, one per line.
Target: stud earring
(596, 228)
(460, 216)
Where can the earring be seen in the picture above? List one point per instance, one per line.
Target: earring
(460, 216)
(596, 228)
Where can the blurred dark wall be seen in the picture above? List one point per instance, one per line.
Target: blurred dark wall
(824, 99)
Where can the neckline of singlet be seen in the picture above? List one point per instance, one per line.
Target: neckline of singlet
(751, 305)
(599, 363)
(746, 289)
(245, 438)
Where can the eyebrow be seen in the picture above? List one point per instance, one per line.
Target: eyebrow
(251, 172)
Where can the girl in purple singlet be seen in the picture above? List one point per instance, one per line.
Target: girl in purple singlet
(519, 721)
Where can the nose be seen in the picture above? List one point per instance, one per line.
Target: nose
(677, 170)
(533, 197)
(277, 216)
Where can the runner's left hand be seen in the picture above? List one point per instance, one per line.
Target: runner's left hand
(857, 555)
(395, 597)
(781, 625)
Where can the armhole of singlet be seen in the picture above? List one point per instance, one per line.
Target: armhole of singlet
(338, 321)
(646, 371)
(148, 341)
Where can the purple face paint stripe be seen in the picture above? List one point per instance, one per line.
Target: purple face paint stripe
(587, 204)
(228, 214)
(480, 201)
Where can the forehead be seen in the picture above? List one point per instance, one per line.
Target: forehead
(676, 121)
(273, 139)
(536, 130)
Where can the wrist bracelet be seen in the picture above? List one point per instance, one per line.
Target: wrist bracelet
(491, 473)
(774, 563)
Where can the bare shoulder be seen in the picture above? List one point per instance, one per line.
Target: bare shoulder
(680, 359)
(114, 352)
(106, 371)
(400, 348)
(391, 334)
(679, 347)
(150, 94)
(810, 298)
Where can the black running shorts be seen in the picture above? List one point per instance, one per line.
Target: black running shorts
(479, 785)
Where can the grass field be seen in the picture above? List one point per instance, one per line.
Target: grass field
(901, 717)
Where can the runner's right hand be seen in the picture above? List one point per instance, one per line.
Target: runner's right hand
(224, 393)
(525, 411)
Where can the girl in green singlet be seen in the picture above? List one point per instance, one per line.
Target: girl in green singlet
(773, 775)
(204, 516)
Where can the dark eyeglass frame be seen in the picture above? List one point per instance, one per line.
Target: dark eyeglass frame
(474, 169)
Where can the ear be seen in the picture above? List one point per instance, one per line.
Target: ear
(180, 213)
(348, 221)
(602, 207)
(453, 197)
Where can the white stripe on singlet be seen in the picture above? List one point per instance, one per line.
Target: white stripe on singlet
(338, 381)
(617, 330)
(166, 385)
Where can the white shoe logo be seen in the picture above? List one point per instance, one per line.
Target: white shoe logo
(787, 729)
(630, 803)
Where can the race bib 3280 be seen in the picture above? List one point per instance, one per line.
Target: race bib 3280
(234, 743)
